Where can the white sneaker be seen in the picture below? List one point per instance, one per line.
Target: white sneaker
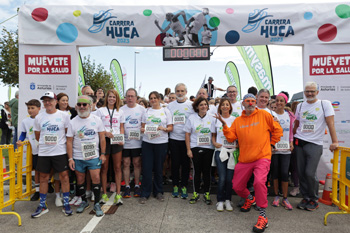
(294, 192)
(58, 202)
(92, 196)
(228, 205)
(78, 202)
(74, 200)
(220, 206)
(88, 193)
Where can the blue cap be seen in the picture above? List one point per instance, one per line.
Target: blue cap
(249, 96)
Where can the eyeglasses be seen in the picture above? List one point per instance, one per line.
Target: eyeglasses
(48, 101)
(312, 92)
(82, 104)
(130, 96)
(231, 92)
(250, 101)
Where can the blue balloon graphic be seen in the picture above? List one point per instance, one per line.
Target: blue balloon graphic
(67, 32)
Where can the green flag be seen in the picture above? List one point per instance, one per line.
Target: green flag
(81, 80)
(257, 59)
(117, 76)
(233, 77)
(9, 93)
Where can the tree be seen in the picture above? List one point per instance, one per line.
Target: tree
(96, 76)
(9, 57)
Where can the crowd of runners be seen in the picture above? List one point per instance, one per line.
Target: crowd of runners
(104, 141)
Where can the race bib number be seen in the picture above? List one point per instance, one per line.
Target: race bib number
(228, 144)
(89, 150)
(282, 146)
(51, 139)
(203, 140)
(152, 136)
(308, 128)
(179, 119)
(134, 135)
(117, 138)
(151, 129)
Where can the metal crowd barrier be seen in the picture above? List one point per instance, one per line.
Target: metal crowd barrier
(340, 181)
(15, 175)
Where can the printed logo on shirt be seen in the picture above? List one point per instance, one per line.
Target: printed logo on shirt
(86, 132)
(235, 114)
(58, 119)
(52, 128)
(205, 130)
(309, 116)
(31, 131)
(154, 119)
(93, 123)
(131, 121)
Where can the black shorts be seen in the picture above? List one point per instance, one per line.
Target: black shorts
(131, 153)
(59, 163)
(112, 149)
(34, 161)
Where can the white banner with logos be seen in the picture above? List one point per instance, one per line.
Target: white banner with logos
(329, 67)
(157, 25)
(46, 68)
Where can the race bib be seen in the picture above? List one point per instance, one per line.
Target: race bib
(282, 146)
(151, 129)
(203, 140)
(179, 119)
(117, 138)
(228, 144)
(89, 150)
(152, 136)
(308, 127)
(134, 135)
(51, 139)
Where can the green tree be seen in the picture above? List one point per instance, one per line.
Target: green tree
(96, 76)
(9, 57)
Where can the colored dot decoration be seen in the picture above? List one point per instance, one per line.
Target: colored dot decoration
(327, 32)
(229, 11)
(40, 14)
(308, 15)
(147, 12)
(67, 32)
(214, 22)
(232, 37)
(159, 39)
(343, 11)
(77, 13)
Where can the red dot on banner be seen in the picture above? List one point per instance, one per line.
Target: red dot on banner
(159, 39)
(327, 32)
(40, 14)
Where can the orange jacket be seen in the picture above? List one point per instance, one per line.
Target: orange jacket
(255, 134)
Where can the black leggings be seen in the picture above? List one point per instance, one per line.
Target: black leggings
(202, 158)
(280, 167)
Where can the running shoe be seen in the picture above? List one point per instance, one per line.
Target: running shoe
(35, 197)
(261, 225)
(175, 191)
(276, 201)
(104, 198)
(127, 193)
(220, 206)
(67, 210)
(78, 202)
(88, 193)
(194, 198)
(247, 205)
(58, 201)
(98, 211)
(207, 199)
(311, 205)
(99, 21)
(255, 19)
(160, 197)
(84, 205)
(74, 200)
(228, 205)
(184, 193)
(118, 199)
(285, 203)
(137, 192)
(295, 191)
(40, 211)
(302, 204)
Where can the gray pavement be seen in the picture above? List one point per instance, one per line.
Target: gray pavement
(174, 215)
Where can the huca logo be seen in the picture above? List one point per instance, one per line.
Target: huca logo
(205, 130)
(154, 119)
(178, 113)
(276, 29)
(308, 116)
(198, 128)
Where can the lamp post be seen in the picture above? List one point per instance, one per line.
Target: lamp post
(136, 52)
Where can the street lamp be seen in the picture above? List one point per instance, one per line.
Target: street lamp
(136, 52)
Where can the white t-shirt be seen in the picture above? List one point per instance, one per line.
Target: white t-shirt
(180, 113)
(85, 136)
(236, 109)
(133, 119)
(27, 126)
(284, 121)
(157, 117)
(212, 110)
(311, 118)
(218, 129)
(269, 111)
(52, 132)
(200, 127)
(117, 118)
(199, 20)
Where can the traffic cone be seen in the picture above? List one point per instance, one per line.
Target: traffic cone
(326, 198)
(4, 167)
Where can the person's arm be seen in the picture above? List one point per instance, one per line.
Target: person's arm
(189, 21)
(331, 127)
(70, 153)
(213, 139)
(156, 22)
(37, 135)
(188, 145)
(21, 138)
(103, 146)
(183, 16)
(276, 130)
(142, 127)
(121, 131)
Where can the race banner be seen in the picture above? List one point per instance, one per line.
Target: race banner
(124, 79)
(117, 76)
(257, 59)
(329, 67)
(81, 79)
(214, 25)
(233, 77)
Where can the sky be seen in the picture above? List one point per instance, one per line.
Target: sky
(156, 74)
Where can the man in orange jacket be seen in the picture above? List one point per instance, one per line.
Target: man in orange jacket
(257, 133)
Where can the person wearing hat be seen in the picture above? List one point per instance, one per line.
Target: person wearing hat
(257, 133)
(50, 129)
(210, 87)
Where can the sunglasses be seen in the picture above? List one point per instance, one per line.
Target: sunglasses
(82, 104)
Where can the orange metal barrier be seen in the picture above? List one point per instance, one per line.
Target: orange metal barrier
(340, 181)
(15, 173)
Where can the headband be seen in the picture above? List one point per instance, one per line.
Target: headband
(82, 100)
(284, 96)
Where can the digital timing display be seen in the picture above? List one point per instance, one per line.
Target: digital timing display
(186, 53)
